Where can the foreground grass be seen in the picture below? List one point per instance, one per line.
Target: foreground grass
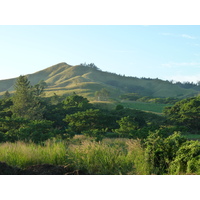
(22, 154)
(111, 156)
(108, 157)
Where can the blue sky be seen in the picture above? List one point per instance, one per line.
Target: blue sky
(155, 51)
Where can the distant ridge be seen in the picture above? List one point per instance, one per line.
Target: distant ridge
(64, 79)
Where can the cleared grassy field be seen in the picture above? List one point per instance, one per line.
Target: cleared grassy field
(192, 136)
(151, 107)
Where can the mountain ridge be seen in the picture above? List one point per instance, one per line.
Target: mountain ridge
(83, 79)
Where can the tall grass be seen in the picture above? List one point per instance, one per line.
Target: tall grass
(137, 154)
(22, 154)
(108, 158)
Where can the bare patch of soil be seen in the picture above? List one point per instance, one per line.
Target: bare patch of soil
(44, 169)
(8, 170)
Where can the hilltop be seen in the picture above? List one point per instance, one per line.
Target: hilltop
(64, 79)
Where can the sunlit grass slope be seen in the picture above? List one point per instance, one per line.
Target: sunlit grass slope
(65, 79)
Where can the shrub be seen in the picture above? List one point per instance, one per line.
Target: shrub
(97, 134)
(160, 151)
(36, 131)
(187, 159)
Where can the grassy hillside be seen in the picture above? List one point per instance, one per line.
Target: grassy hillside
(84, 80)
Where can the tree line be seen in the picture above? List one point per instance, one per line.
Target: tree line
(29, 115)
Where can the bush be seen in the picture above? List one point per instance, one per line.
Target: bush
(160, 151)
(119, 107)
(97, 134)
(187, 159)
(36, 131)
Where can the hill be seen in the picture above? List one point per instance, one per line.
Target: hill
(64, 79)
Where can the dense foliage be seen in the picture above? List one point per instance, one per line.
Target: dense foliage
(185, 113)
(29, 116)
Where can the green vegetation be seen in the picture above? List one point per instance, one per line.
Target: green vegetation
(137, 97)
(25, 100)
(151, 107)
(192, 136)
(103, 94)
(158, 155)
(96, 138)
(89, 81)
(22, 154)
(110, 157)
(185, 112)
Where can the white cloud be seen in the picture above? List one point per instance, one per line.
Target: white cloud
(184, 78)
(181, 35)
(187, 36)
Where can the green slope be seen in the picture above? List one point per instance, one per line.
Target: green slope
(65, 79)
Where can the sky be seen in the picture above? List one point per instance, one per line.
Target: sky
(168, 52)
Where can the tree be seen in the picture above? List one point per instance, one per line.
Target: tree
(25, 101)
(10, 126)
(6, 95)
(83, 121)
(119, 107)
(91, 65)
(102, 95)
(89, 120)
(5, 105)
(55, 99)
(36, 131)
(128, 126)
(39, 88)
(160, 152)
(97, 134)
(76, 101)
(185, 112)
(187, 159)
